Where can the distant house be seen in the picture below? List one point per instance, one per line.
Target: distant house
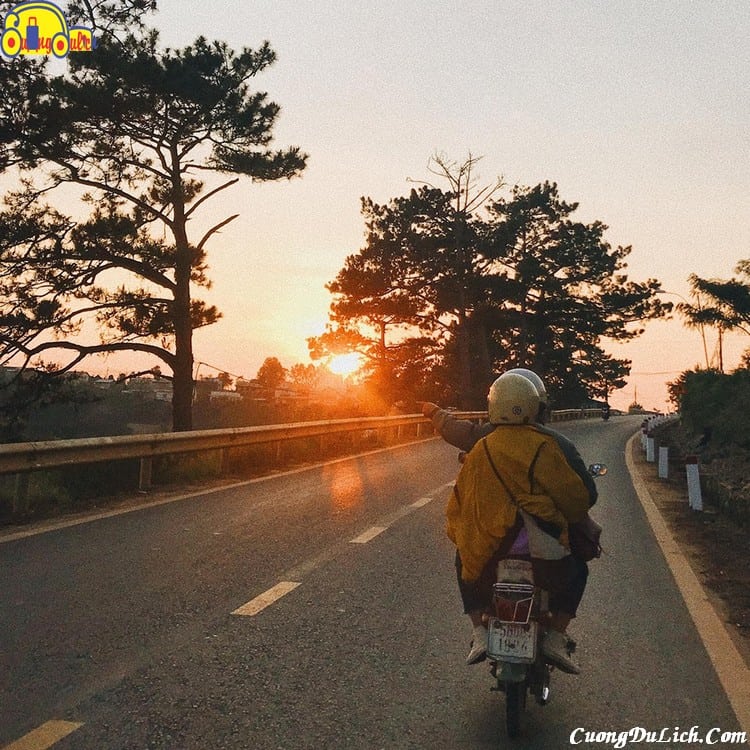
(288, 392)
(158, 389)
(214, 391)
(250, 389)
(256, 391)
(204, 387)
(103, 384)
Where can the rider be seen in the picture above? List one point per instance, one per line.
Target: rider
(524, 467)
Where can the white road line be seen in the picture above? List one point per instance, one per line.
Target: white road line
(387, 521)
(266, 599)
(45, 736)
(728, 663)
(371, 533)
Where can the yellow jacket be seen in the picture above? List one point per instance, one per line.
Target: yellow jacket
(533, 468)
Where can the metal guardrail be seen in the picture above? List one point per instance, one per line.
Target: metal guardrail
(22, 458)
(566, 415)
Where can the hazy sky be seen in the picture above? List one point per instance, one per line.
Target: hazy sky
(638, 110)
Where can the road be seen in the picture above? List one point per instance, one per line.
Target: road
(124, 626)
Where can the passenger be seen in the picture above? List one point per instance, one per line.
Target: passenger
(517, 475)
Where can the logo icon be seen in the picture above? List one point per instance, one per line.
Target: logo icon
(40, 28)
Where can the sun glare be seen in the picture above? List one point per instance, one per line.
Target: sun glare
(345, 364)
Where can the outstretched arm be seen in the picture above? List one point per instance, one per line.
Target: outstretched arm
(462, 433)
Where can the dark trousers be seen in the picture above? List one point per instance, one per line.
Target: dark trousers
(565, 580)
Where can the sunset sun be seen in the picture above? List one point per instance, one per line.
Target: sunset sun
(345, 364)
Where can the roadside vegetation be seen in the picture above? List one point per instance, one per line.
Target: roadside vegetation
(715, 425)
(714, 405)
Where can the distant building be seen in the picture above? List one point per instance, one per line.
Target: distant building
(250, 389)
(158, 389)
(255, 391)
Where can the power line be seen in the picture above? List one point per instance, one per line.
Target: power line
(218, 369)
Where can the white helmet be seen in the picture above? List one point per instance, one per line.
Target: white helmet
(536, 381)
(513, 399)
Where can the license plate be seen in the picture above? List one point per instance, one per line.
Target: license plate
(510, 641)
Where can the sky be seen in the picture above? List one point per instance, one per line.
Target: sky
(639, 111)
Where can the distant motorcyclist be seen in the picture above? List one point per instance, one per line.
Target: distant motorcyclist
(523, 476)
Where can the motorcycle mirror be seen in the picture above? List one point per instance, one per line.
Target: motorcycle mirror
(598, 470)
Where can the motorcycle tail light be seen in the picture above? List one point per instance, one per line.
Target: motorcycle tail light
(513, 602)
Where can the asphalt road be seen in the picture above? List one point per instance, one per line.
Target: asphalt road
(124, 625)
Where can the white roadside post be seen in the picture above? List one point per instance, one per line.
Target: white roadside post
(650, 450)
(694, 483)
(664, 462)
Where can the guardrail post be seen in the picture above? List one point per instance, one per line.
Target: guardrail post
(650, 450)
(695, 499)
(145, 473)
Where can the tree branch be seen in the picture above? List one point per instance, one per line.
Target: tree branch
(83, 351)
(215, 229)
(208, 195)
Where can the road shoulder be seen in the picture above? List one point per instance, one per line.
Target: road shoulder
(728, 651)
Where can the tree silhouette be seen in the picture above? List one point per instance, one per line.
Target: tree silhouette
(136, 127)
(724, 304)
(557, 289)
(466, 287)
(416, 284)
(271, 375)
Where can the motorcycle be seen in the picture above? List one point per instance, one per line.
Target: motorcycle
(516, 625)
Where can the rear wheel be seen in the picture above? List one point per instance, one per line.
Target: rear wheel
(515, 704)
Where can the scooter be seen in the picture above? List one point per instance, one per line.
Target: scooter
(516, 624)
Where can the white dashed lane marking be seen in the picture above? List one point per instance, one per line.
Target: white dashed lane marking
(366, 536)
(266, 599)
(388, 521)
(259, 603)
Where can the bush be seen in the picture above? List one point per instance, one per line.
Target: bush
(719, 403)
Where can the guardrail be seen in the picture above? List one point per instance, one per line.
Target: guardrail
(22, 458)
